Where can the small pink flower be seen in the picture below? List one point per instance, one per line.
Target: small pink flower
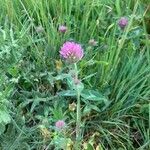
(60, 124)
(71, 51)
(62, 29)
(123, 22)
(92, 42)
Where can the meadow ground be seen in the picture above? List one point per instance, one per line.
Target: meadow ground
(74, 74)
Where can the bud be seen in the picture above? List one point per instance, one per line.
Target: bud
(123, 22)
(92, 42)
(62, 29)
(72, 106)
(58, 65)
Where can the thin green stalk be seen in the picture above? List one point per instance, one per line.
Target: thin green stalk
(78, 123)
(78, 119)
(126, 33)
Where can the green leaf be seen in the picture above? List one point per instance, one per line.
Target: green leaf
(2, 128)
(4, 115)
(90, 107)
(89, 147)
(13, 71)
(79, 87)
(145, 109)
(61, 77)
(86, 110)
(92, 95)
(67, 93)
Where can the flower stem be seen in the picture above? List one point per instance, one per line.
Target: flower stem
(78, 121)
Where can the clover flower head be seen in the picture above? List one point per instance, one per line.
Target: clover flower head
(123, 22)
(72, 52)
(60, 124)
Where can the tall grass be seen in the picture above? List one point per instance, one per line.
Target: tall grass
(119, 68)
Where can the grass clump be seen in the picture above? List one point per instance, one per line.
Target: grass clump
(97, 101)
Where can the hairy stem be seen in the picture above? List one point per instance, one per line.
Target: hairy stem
(78, 121)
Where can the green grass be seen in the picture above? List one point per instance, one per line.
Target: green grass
(118, 70)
